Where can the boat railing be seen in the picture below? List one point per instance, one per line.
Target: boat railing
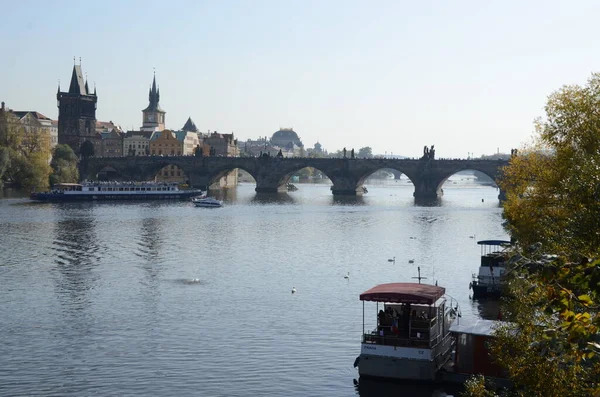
(396, 341)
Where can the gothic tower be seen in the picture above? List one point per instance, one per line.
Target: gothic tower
(154, 116)
(77, 113)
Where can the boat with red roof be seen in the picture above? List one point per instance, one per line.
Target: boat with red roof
(411, 338)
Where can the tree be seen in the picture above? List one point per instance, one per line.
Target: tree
(553, 207)
(64, 165)
(553, 190)
(25, 151)
(4, 163)
(365, 152)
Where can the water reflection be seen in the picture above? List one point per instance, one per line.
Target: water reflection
(368, 387)
(272, 198)
(348, 200)
(8, 193)
(227, 195)
(76, 253)
(427, 202)
(488, 309)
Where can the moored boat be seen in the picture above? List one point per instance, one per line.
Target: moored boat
(472, 355)
(412, 339)
(114, 191)
(489, 281)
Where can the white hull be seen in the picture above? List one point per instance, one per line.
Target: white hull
(403, 363)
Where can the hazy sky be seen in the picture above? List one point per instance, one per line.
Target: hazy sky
(467, 76)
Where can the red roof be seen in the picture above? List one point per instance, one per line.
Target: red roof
(404, 293)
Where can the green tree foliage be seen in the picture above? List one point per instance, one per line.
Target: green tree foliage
(553, 207)
(27, 148)
(64, 165)
(365, 152)
(4, 162)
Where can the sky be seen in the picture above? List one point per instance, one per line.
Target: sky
(466, 76)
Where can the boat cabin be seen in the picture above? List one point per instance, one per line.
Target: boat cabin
(410, 315)
(492, 252)
(472, 354)
(67, 187)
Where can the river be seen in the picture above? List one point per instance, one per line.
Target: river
(166, 299)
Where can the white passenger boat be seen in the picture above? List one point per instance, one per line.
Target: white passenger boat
(114, 191)
(489, 281)
(412, 338)
(207, 202)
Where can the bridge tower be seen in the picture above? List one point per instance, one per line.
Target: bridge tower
(77, 112)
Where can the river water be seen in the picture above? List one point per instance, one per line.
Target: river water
(165, 299)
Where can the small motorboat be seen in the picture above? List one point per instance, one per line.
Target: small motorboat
(207, 202)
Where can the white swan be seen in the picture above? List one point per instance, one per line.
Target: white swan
(347, 276)
(392, 260)
(293, 290)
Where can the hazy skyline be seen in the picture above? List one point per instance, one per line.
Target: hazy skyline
(468, 77)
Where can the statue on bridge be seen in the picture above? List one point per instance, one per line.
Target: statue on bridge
(344, 152)
(428, 154)
(352, 153)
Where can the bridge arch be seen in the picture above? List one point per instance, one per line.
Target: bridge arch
(310, 174)
(217, 179)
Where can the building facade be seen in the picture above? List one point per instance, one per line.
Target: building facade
(173, 143)
(37, 130)
(77, 113)
(111, 143)
(222, 144)
(137, 143)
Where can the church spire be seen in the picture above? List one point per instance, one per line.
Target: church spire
(154, 84)
(153, 97)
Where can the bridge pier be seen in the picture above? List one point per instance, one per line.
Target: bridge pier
(501, 195)
(427, 189)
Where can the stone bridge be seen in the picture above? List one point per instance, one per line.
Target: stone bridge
(272, 173)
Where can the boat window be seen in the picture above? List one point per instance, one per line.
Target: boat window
(120, 189)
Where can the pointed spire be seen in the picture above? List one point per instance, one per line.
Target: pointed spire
(153, 97)
(58, 91)
(154, 84)
(95, 89)
(87, 88)
(77, 84)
